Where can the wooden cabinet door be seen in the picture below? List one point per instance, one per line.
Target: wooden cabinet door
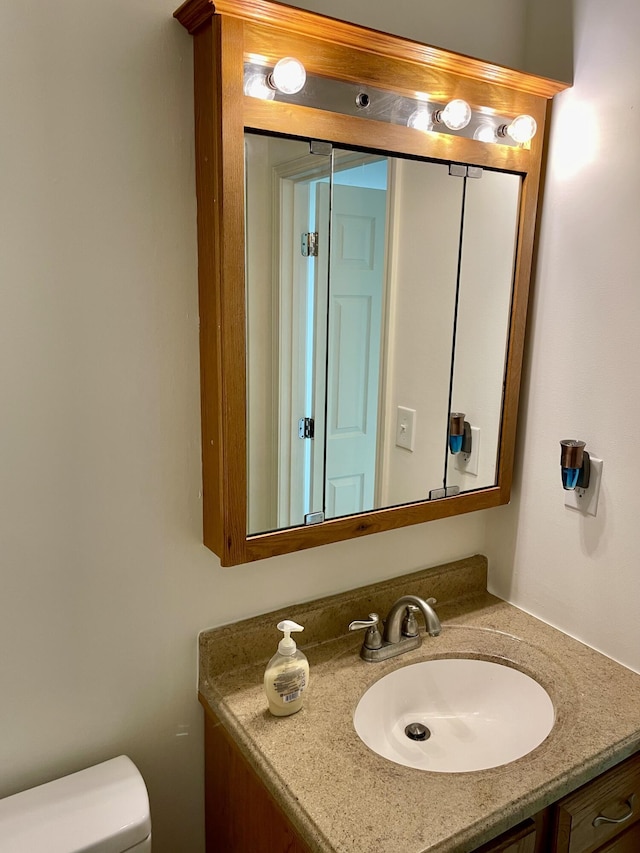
(628, 842)
(521, 839)
(599, 812)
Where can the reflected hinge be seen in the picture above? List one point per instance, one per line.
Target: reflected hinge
(322, 148)
(458, 170)
(306, 428)
(310, 244)
(449, 492)
(314, 517)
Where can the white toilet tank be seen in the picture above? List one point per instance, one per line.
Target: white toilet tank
(103, 809)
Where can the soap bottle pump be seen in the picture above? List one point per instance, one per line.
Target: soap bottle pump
(287, 674)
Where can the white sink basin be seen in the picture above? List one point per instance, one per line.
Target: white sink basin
(479, 714)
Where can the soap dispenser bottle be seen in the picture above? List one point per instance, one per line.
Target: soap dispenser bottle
(287, 674)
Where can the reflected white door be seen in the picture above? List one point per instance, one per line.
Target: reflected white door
(357, 260)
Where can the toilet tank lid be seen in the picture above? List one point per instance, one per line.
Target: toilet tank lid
(103, 809)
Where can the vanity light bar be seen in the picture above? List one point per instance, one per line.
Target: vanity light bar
(455, 118)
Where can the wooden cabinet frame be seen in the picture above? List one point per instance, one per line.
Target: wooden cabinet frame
(223, 34)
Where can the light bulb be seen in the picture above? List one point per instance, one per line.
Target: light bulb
(485, 133)
(256, 86)
(456, 115)
(288, 76)
(420, 119)
(522, 128)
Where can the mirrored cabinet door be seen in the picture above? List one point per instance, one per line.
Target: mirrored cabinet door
(487, 261)
(287, 252)
(424, 239)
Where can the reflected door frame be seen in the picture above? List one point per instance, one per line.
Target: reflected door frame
(298, 461)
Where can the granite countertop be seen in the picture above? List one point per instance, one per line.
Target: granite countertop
(343, 798)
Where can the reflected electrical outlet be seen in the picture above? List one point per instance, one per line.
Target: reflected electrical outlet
(468, 462)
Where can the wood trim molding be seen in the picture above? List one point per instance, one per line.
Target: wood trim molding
(194, 13)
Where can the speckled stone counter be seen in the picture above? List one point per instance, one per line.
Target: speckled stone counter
(339, 795)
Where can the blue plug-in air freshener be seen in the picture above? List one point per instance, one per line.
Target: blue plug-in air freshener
(456, 431)
(570, 477)
(574, 464)
(459, 433)
(455, 443)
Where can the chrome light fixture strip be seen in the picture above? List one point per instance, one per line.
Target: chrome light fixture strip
(354, 99)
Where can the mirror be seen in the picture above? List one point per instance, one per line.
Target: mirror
(363, 337)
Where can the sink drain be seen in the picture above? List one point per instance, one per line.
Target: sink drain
(416, 731)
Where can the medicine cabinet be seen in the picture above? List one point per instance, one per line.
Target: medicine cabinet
(365, 239)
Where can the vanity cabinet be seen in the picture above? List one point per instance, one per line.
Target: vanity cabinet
(602, 816)
(242, 815)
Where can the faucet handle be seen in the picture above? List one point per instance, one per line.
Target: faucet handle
(371, 622)
(410, 623)
(373, 637)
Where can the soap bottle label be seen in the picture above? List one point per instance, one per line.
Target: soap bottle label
(290, 683)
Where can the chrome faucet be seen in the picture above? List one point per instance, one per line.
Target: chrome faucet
(392, 631)
(401, 628)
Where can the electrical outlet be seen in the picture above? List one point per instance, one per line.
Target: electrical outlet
(586, 500)
(468, 462)
(405, 427)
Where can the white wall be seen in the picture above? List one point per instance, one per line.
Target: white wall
(582, 573)
(490, 29)
(548, 48)
(104, 581)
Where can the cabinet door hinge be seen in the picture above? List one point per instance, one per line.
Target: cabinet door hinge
(310, 244)
(458, 170)
(324, 149)
(306, 428)
(449, 492)
(314, 518)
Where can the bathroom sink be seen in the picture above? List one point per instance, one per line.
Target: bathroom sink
(454, 715)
